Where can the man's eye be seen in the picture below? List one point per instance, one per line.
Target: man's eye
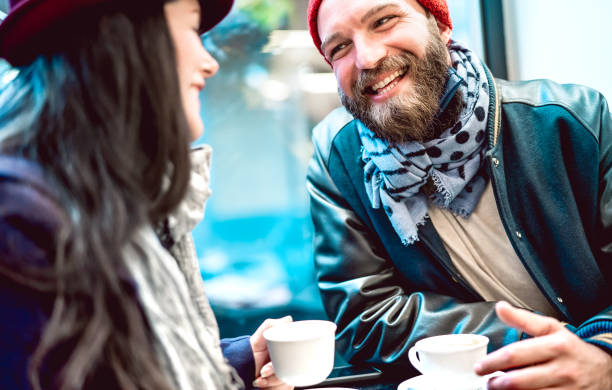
(336, 49)
(384, 20)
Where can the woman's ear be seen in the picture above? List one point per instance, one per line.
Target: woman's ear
(445, 32)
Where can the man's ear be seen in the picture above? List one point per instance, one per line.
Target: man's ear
(445, 32)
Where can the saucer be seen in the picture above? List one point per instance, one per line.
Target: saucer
(422, 382)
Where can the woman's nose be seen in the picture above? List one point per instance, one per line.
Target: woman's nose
(210, 66)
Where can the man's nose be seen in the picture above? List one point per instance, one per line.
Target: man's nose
(368, 53)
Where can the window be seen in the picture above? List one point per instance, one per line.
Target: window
(255, 243)
(467, 26)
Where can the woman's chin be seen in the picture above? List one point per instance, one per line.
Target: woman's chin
(196, 129)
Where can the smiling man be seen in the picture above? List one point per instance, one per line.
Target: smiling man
(438, 191)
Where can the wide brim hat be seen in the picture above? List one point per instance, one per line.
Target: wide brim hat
(28, 19)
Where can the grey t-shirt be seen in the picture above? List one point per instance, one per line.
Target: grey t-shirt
(481, 251)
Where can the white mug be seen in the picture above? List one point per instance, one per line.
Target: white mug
(449, 359)
(302, 351)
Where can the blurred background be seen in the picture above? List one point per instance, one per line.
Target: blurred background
(254, 246)
(273, 87)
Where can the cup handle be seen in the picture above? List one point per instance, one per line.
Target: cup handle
(412, 356)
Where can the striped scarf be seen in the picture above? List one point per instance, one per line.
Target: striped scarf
(170, 290)
(395, 173)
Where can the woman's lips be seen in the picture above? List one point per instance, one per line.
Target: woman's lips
(198, 86)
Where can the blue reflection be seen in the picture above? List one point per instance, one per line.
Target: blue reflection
(255, 243)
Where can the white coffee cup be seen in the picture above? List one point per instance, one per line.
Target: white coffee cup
(449, 359)
(302, 351)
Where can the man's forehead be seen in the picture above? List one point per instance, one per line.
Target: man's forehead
(338, 12)
(335, 16)
(352, 9)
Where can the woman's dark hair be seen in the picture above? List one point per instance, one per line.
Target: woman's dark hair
(100, 111)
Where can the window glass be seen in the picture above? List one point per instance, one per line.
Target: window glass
(255, 243)
(467, 25)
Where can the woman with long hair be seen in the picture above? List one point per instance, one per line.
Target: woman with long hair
(99, 287)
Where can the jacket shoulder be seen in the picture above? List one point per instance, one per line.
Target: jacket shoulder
(325, 132)
(30, 217)
(585, 104)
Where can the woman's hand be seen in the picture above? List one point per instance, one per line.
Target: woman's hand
(554, 358)
(264, 370)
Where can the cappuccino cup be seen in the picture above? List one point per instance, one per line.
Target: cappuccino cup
(302, 351)
(448, 360)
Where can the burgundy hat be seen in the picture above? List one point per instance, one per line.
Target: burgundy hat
(438, 8)
(29, 18)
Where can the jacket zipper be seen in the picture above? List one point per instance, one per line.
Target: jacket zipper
(494, 162)
(449, 267)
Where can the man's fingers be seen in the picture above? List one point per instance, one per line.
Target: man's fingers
(519, 354)
(535, 377)
(525, 321)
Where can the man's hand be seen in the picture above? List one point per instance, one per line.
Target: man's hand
(554, 358)
(264, 371)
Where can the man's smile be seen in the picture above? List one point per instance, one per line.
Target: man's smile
(383, 86)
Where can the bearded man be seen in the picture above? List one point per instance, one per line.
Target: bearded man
(439, 194)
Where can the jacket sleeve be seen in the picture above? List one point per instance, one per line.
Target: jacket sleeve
(378, 317)
(239, 355)
(598, 329)
(20, 329)
(26, 233)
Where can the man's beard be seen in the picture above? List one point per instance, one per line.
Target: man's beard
(408, 116)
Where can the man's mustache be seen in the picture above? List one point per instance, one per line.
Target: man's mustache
(367, 77)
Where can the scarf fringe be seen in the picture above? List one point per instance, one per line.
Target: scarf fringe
(462, 212)
(447, 197)
(415, 237)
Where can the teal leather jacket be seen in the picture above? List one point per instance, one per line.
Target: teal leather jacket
(550, 161)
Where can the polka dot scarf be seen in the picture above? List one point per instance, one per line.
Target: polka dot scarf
(394, 174)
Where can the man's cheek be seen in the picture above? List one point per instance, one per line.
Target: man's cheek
(345, 82)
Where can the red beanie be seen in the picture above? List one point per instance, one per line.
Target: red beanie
(438, 8)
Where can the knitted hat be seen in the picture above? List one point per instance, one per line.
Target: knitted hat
(438, 8)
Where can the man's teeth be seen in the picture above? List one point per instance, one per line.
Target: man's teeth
(386, 81)
(387, 88)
